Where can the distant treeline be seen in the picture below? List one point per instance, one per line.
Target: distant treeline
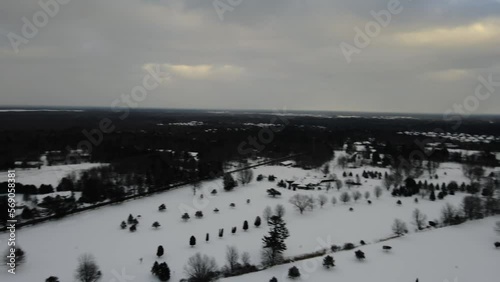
(216, 137)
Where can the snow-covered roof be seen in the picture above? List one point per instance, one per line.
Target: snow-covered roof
(287, 163)
(307, 181)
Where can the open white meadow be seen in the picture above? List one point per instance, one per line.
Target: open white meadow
(48, 174)
(451, 254)
(52, 248)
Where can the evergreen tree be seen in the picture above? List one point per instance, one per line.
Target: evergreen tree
(163, 272)
(229, 182)
(156, 224)
(273, 279)
(66, 184)
(52, 279)
(27, 213)
(192, 241)
(159, 252)
(257, 221)
(123, 225)
(432, 197)
(45, 189)
(359, 255)
(233, 230)
(273, 192)
(130, 219)
(245, 225)
(207, 237)
(154, 269)
(328, 262)
(275, 240)
(293, 272)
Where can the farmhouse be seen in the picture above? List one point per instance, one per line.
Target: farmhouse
(306, 183)
(28, 164)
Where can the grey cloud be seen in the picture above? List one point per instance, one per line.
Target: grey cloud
(286, 53)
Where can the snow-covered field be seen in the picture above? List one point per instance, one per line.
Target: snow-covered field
(47, 174)
(452, 254)
(53, 248)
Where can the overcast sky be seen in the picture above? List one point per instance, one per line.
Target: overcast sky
(259, 54)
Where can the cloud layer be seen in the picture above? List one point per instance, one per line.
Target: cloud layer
(258, 55)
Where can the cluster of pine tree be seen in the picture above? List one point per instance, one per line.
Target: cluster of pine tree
(161, 271)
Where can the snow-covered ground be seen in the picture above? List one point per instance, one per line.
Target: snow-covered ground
(47, 174)
(53, 248)
(452, 254)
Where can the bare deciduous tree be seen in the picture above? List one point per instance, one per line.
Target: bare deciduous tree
(423, 192)
(196, 187)
(279, 210)
(302, 202)
(388, 182)
(419, 219)
(201, 268)
(367, 195)
(356, 196)
(334, 200)
(342, 161)
(378, 191)
(345, 197)
(232, 257)
(432, 166)
(328, 186)
(270, 258)
(448, 214)
(472, 172)
(349, 182)
(339, 184)
(399, 227)
(326, 169)
(87, 270)
(268, 212)
(397, 177)
(245, 258)
(322, 199)
(413, 168)
(245, 176)
(472, 207)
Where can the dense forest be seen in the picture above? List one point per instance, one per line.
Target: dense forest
(216, 137)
